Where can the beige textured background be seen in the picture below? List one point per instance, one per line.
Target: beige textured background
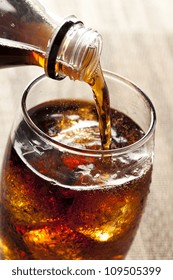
(138, 44)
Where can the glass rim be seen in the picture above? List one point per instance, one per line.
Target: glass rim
(89, 152)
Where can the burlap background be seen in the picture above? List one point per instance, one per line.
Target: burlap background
(138, 44)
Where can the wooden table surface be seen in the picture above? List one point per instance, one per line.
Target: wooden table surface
(138, 44)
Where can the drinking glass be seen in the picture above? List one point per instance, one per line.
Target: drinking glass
(62, 197)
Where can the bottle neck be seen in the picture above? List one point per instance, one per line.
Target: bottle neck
(75, 49)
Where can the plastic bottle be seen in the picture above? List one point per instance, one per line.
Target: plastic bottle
(29, 35)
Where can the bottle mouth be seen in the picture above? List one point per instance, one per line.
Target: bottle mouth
(85, 54)
(80, 51)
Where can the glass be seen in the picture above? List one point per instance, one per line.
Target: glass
(62, 201)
